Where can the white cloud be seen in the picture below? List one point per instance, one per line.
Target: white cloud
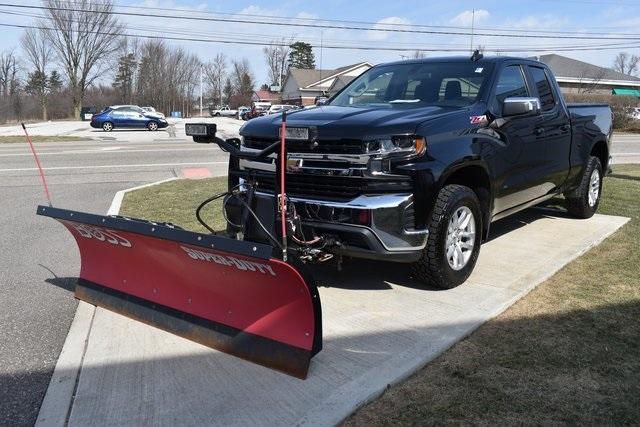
(464, 18)
(384, 23)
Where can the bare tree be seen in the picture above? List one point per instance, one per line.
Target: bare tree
(84, 35)
(242, 82)
(215, 73)
(39, 53)
(589, 82)
(276, 57)
(419, 54)
(8, 73)
(626, 64)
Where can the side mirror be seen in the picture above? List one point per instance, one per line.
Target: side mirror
(322, 100)
(518, 106)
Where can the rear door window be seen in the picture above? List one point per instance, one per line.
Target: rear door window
(543, 86)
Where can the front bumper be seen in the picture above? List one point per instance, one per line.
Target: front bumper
(389, 234)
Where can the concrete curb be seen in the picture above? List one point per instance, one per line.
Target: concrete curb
(58, 400)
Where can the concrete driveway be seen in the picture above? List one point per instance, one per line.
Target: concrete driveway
(379, 327)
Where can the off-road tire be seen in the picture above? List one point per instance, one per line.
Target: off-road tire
(577, 202)
(432, 268)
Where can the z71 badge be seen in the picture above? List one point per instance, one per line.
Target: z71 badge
(479, 120)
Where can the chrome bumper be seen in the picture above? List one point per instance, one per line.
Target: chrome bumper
(391, 220)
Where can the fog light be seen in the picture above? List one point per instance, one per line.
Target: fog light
(364, 217)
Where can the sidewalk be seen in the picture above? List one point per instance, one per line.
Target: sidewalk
(379, 327)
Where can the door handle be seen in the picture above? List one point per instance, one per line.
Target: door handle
(565, 128)
(538, 131)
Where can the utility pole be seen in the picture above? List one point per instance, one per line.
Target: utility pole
(201, 90)
(473, 18)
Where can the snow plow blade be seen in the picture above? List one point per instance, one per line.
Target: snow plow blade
(229, 295)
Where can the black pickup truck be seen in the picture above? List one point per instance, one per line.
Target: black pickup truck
(412, 161)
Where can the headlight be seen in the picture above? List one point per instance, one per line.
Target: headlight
(396, 145)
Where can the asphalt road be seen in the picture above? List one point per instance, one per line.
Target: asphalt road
(38, 256)
(625, 148)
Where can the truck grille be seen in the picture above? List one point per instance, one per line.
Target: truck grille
(332, 187)
(342, 146)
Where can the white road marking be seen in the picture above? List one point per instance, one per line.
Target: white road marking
(114, 166)
(103, 151)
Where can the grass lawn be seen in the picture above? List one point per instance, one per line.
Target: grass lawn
(567, 353)
(176, 202)
(41, 138)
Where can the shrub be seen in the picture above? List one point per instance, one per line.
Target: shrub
(622, 107)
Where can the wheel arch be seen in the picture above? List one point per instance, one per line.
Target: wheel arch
(600, 149)
(477, 177)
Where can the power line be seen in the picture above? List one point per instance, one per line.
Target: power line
(341, 47)
(314, 25)
(405, 25)
(235, 36)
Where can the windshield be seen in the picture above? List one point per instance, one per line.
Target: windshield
(444, 84)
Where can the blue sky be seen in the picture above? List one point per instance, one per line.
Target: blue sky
(607, 16)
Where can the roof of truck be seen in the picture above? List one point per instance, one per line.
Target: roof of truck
(483, 60)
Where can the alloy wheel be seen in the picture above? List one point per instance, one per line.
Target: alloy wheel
(594, 187)
(461, 237)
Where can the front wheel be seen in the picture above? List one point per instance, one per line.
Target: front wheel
(453, 245)
(107, 126)
(583, 201)
(152, 126)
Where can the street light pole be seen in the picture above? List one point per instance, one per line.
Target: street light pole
(201, 90)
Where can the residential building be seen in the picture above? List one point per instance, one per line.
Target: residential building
(302, 86)
(575, 76)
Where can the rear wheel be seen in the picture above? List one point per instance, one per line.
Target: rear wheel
(152, 126)
(107, 126)
(453, 245)
(583, 202)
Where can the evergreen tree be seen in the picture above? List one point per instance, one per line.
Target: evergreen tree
(227, 91)
(38, 85)
(301, 56)
(55, 81)
(123, 81)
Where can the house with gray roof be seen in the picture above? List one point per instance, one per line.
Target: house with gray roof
(302, 86)
(575, 76)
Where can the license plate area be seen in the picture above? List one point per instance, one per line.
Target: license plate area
(296, 134)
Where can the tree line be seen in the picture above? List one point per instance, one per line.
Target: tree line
(78, 55)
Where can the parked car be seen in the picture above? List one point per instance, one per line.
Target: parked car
(223, 111)
(241, 111)
(254, 112)
(279, 108)
(151, 110)
(414, 160)
(87, 112)
(127, 116)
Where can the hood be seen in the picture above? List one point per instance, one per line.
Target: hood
(335, 122)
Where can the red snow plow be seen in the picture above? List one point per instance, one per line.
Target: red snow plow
(249, 296)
